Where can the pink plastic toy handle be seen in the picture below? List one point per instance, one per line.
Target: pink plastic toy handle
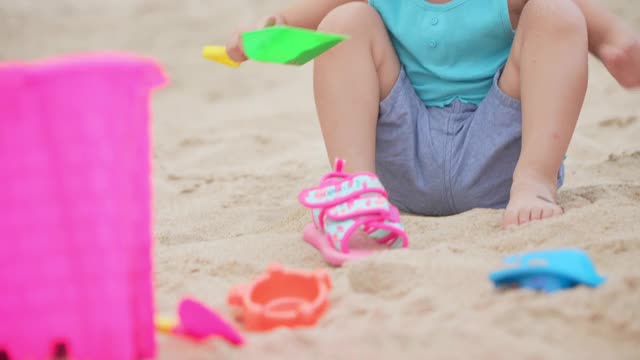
(199, 322)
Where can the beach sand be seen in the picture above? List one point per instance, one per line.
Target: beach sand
(232, 148)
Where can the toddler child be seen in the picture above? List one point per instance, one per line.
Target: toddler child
(459, 104)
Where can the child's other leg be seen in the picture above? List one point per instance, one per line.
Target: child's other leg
(547, 70)
(351, 80)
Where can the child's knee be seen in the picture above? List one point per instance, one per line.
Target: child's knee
(351, 18)
(561, 17)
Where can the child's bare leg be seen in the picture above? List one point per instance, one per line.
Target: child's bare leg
(351, 80)
(547, 70)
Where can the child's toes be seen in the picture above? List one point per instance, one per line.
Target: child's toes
(554, 211)
(547, 212)
(536, 213)
(524, 216)
(510, 218)
(557, 211)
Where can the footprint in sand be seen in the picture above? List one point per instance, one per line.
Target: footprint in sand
(419, 306)
(621, 168)
(262, 140)
(190, 190)
(632, 282)
(384, 279)
(196, 142)
(629, 159)
(215, 96)
(587, 195)
(195, 183)
(185, 190)
(615, 246)
(618, 122)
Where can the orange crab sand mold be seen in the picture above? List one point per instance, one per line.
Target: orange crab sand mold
(282, 297)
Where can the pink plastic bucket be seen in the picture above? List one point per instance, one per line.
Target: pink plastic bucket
(75, 207)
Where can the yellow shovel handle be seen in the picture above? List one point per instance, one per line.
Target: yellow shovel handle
(165, 324)
(219, 54)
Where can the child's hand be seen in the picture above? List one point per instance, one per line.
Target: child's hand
(623, 61)
(234, 45)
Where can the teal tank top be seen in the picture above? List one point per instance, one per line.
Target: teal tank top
(449, 51)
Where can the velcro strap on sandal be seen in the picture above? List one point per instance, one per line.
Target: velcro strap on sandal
(374, 205)
(328, 195)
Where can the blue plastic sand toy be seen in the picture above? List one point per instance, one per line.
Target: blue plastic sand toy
(548, 271)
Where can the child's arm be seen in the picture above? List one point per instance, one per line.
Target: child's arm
(603, 26)
(309, 13)
(303, 13)
(613, 41)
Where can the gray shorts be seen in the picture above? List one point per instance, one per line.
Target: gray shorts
(443, 161)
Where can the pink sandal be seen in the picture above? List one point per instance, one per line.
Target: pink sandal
(346, 208)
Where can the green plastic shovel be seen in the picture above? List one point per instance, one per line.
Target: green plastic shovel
(278, 45)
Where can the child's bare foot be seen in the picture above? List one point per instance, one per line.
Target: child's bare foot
(623, 60)
(531, 201)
